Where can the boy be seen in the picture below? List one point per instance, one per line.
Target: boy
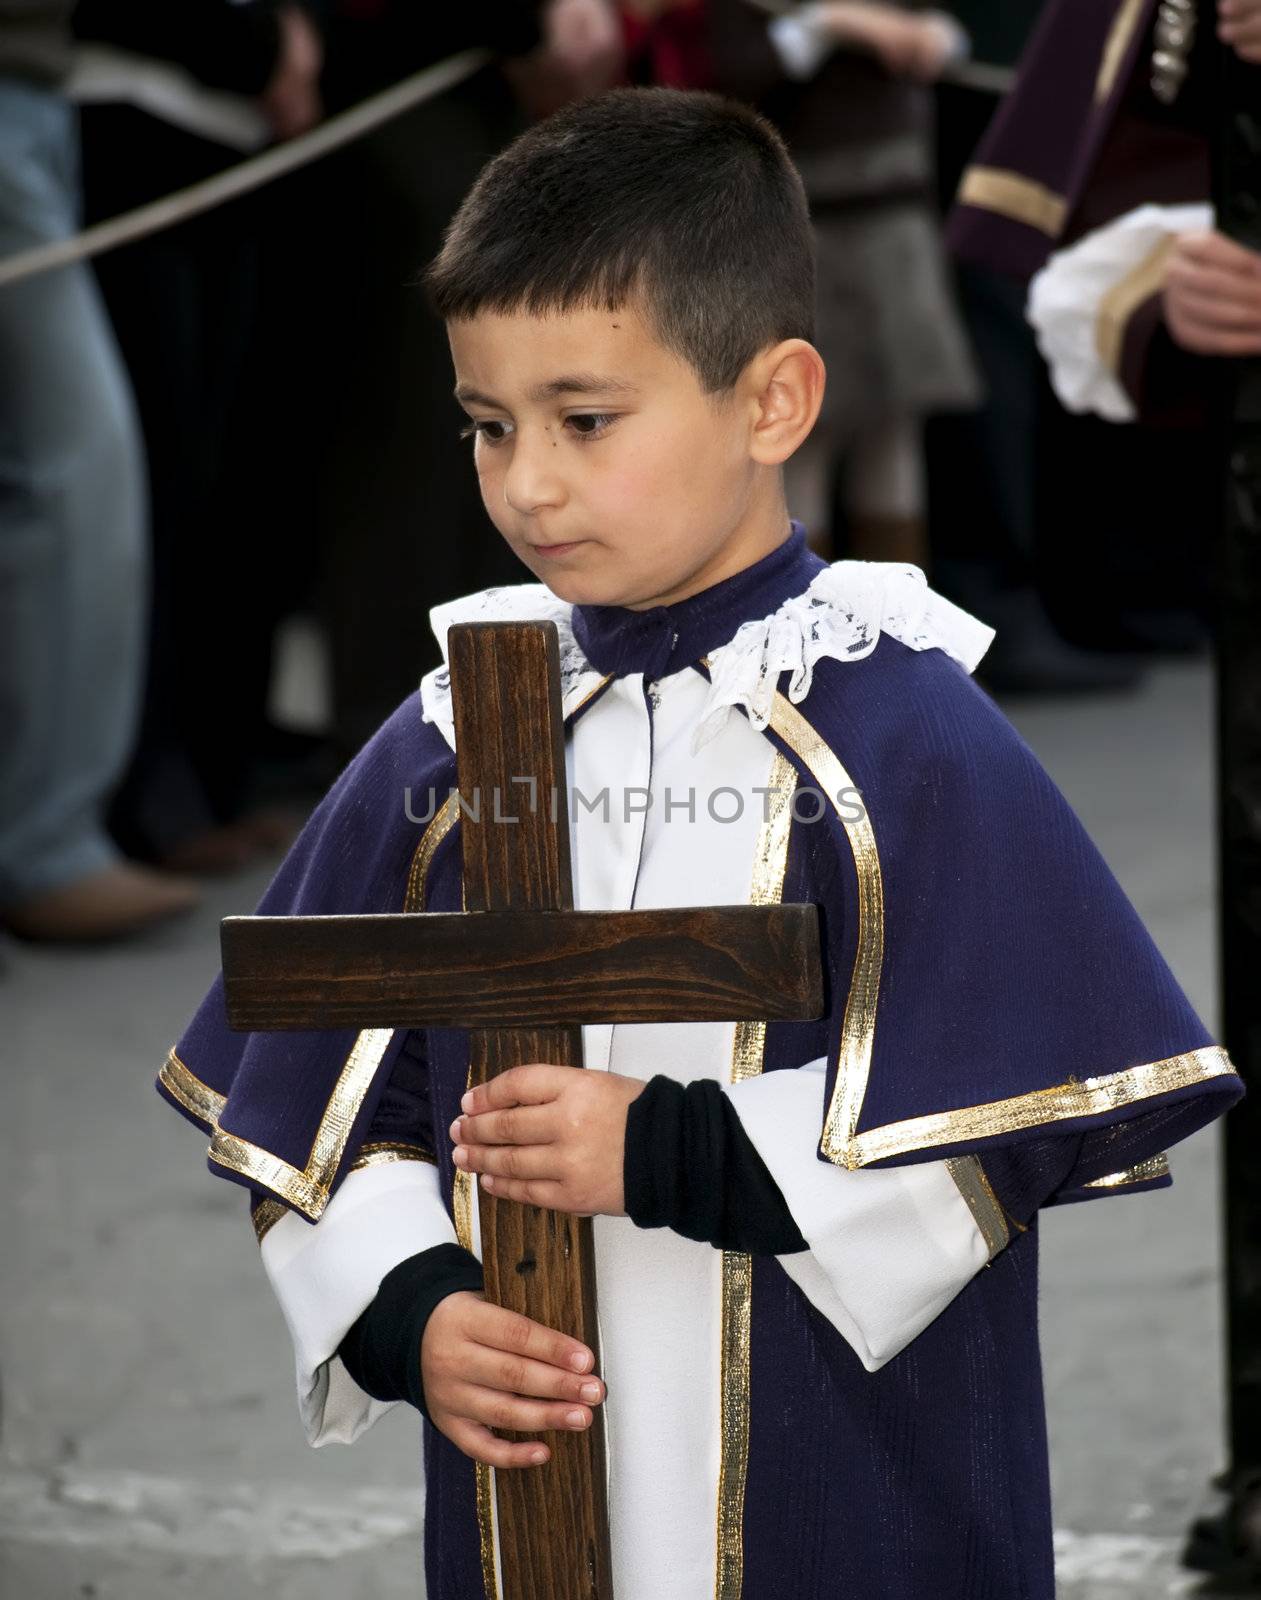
(813, 1389)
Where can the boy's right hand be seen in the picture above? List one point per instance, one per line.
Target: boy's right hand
(484, 1367)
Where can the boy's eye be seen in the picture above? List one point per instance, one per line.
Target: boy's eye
(585, 424)
(486, 429)
(590, 424)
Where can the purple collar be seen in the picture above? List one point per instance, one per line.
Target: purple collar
(663, 639)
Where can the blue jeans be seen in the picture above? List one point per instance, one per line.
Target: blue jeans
(73, 547)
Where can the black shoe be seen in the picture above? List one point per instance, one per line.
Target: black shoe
(1225, 1540)
(1029, 657)
(1163, 633)
(1063, 670)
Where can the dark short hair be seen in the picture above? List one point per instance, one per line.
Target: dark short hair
(684, 202)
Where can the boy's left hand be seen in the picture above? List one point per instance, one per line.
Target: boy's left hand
(549, 1136)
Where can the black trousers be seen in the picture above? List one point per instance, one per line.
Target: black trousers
(185, 306)
(401, 523)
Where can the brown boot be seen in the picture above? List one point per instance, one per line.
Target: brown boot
(231, 847)
(215, 852)
(110, 904)
(274, 828)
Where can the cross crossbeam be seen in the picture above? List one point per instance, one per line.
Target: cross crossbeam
(511, 968)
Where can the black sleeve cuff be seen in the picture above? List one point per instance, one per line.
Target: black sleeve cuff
(381, 1351)
(690, 1166)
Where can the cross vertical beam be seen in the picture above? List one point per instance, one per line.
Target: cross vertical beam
(505, 692)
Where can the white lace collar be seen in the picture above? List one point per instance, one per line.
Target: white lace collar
(841, 615)
(518, 602)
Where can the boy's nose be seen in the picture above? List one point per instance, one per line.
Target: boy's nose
(532, 482)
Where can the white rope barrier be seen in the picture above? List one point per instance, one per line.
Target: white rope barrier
(980, 75)
(246, 175)
(279, 159)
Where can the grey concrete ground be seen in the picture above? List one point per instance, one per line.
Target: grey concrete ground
(149, 1442)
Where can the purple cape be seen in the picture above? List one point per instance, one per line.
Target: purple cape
(988, 979)
(990, 990)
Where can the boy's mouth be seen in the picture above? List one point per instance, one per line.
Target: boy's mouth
(556, 549)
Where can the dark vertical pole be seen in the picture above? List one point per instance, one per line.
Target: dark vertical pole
(1237, 195)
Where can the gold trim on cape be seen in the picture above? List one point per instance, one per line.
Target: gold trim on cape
(436, 830)
(384, 1152)
(194, 1095)
(770, 863)
(380, 1153)
(983, 1203)
(1144, 1172)
(1120, 34)
(1085, 1097)
(842, 1143)
(307, 1189)
(1123, 299)
(462, 1207)
(265, 1215)
(859, 1025)
(587, 698)
(462, 1201)
(1012, 195)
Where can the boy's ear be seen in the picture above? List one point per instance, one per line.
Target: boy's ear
(786, 391)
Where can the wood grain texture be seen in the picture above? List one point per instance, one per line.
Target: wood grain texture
(523, 968)
(505, 691)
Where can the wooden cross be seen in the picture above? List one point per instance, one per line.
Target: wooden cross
(522, 970)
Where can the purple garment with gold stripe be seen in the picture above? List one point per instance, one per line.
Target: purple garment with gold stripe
(991, 992)
(1080, 138)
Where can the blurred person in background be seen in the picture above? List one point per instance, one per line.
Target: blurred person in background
(283, 441)
(845, 83)
(1094, 187)
(983, 465)
(73, 570)
(361, 424)
(1129, 314)
(172, 95)
(1093, 182)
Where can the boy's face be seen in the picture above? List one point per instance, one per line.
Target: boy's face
(605, 466)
